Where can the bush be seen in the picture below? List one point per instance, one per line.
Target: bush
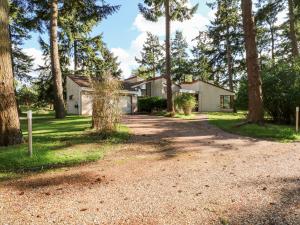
(186, 102)
(281, 91)
(150, 104)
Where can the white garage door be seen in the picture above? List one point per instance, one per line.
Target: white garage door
(125, 104)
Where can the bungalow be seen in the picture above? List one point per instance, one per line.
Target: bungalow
(80, 97)
(210, 97)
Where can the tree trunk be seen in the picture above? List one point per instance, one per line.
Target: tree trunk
(256, 113)
(75, 57)
(10, 132)
(59, 105)
(293, 37)
(229, 60)
(168, 57)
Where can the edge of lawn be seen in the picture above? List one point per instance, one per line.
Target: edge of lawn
(269, 131)
(25, 166)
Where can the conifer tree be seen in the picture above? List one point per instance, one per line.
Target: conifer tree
(172, 10)
(151, 61)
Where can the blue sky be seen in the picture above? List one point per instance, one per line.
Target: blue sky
(124, 32)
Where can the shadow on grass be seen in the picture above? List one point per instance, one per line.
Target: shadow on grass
(57, 143)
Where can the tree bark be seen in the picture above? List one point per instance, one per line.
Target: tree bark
(229, 60)
(75, 57)
(59, 105)
(170, 107)
(10, 132)
(293, 37)
(256, 113)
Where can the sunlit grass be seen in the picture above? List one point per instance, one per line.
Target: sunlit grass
(57, 143)
(228, 122)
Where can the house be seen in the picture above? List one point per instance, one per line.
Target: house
(210, 97)
(80, 96)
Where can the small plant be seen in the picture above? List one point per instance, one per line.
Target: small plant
(185, 102)
(151, 104)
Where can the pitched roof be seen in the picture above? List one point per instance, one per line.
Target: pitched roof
(215, 85)
(83, 81)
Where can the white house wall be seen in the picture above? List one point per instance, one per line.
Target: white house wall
(86, 104)
(209, 95)
(73, 90)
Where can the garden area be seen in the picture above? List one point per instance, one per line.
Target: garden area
(230, 122)
(57, 143)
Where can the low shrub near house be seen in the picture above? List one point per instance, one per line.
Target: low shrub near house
(186, 102)
(150, 104)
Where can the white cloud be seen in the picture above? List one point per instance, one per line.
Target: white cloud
(37, 56)
(190, 29)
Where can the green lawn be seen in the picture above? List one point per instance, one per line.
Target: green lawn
(57, 143)
(228, 122)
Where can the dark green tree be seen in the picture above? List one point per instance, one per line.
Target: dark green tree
(225, 33)
(180, 58)
(200, 64)
(152, 54)
(172, 10)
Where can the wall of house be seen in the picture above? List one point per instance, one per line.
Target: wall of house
(73, 90)
(157, 88)
(209, 95)
(86, 103)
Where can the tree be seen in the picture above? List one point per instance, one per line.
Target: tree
(59, 104)
(200, 64)
(226, 41)
(292, 24)
(171, 10)
(150, 63)
(180, 67)
(10, 132)
(256, 113)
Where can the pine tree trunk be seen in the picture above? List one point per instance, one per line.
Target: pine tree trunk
(229, 61)
(10, 132)
(168, 57)
(59, 105)
(293, 37)
(75, 57)
(256, 114)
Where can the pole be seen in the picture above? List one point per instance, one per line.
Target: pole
(297, 119)
(29, 117)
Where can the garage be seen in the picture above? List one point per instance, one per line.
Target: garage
(125, 104)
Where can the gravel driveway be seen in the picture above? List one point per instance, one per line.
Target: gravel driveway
(172, 171)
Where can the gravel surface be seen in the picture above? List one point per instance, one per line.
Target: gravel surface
(172, 171)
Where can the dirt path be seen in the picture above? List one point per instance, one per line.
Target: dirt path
(172, 171)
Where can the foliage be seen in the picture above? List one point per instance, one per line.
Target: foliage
(106, 111)
(225, 51)
(186, 102)
(150, 104)
(151, 61)
(228, 122)
(27, 96)
(180, 63)
(281, 85)
(57, 144)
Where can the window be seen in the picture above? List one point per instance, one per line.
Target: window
(71, 97)
(226, 101)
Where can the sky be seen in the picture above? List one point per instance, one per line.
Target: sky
(125, 31)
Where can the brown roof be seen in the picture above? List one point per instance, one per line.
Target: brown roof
(83, 81)
(195, 81)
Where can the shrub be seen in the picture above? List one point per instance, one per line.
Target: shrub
(186, 102)
(106, 111)
(150, 104)
(281, 91)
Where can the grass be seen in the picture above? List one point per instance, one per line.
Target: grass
(228, 122)
(57, 143)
